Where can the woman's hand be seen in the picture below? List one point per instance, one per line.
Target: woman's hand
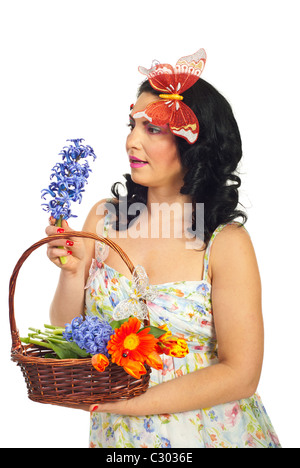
(123, 407)
(73, 248)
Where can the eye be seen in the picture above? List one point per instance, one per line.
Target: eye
(131, 126)
(153, 130)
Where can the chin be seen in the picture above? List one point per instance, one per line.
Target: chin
(139, 179)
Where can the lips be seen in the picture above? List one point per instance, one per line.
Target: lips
(136, 162)
(134, 159)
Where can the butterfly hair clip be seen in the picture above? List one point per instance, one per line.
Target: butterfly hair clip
(173, 82)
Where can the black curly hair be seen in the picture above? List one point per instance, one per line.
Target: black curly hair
(211, 162)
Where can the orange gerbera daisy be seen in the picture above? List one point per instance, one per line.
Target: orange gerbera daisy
(129, 346)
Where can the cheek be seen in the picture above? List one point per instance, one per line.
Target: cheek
(169, 155)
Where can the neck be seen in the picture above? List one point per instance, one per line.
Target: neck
(165, 196)
(166, 210)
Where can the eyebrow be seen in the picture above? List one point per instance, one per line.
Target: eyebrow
(146, 122)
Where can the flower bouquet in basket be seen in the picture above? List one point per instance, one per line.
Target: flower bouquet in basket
(128, 343)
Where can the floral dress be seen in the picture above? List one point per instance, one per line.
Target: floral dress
(185, 306)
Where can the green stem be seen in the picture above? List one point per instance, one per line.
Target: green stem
(36, 330)
(48, 336)
(55, 333)
(55, 330)
(52, 335)
(63, 260)
(40, 336)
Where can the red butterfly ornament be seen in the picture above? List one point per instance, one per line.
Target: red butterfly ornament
(172, 82)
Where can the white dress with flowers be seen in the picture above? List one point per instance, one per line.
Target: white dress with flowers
(185, 306)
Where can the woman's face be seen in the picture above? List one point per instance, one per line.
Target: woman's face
(152, 150)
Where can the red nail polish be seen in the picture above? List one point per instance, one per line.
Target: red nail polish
(69, 252)
(60, 231)
(69, 243)
(94, 408)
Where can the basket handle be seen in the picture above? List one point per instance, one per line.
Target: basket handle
(16, 343)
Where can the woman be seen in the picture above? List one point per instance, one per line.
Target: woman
(181, 154)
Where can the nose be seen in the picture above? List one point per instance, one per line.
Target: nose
(134, 139)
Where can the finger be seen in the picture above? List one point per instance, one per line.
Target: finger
(51, 230)
(55, 252)
(94, 409)
(113, 407)
(67, 243)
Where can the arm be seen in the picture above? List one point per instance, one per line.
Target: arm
(68, 301)
(236, 298)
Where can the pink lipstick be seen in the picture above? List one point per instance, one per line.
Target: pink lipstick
(135, 162)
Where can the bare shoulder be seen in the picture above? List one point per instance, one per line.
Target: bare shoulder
(94, 220)
(233, 252)
(233, 239)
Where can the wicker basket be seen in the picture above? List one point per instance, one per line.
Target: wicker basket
(69, 381)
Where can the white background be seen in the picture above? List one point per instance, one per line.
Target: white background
(69, 70)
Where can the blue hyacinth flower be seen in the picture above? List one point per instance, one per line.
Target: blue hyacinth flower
(91, 334)
(68, 180)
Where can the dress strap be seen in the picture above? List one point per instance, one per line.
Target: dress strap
(101, 249)
(208, 249)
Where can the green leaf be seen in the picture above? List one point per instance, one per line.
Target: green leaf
(81, 352)
(63, 352)
(156, 332)
(67, 350)
(63, 349)
(117, 323)
(50, 356)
